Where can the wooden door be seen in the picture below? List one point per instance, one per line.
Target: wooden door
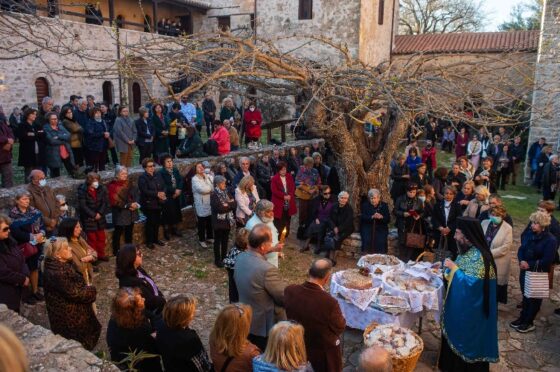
(108, 92)
(136, 97)
(42, 89)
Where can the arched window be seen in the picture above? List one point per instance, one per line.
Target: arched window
(42, 89)
(108, 92)
(136, 97)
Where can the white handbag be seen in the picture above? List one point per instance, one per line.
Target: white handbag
(536, 284)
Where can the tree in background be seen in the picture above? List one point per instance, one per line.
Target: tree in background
(524, 17)
(440, 16)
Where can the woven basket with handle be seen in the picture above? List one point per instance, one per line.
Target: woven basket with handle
(401, 364)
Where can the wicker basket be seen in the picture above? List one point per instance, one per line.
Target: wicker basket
(426, 256)
(401, 364)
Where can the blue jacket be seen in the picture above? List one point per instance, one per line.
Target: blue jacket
(145, 132)
(94, 138)
(81, 117)
(54, 139)
(537, 250)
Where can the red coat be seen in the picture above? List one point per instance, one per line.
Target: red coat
(277, 190)
(221, 136)
(429, 157)
(252, 130)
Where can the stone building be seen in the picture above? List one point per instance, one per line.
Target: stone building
(501, 52)
(366, 28)
(545, 118)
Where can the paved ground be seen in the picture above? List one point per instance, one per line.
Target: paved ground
(183, 267)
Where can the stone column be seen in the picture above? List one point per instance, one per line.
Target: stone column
(545, 115)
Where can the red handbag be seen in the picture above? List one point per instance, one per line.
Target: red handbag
(28, 250)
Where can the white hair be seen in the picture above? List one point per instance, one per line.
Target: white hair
(263, 205)
(119, 169)
(373, 192)
(60, 198)
(343, 194)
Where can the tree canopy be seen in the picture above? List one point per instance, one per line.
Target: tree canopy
(440, 16)
(524, 17)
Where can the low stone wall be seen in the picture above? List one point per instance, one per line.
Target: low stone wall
(49, 352)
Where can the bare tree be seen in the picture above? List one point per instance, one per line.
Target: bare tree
(339, 100)
(440, 16)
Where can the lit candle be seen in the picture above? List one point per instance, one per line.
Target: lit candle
(283, 235)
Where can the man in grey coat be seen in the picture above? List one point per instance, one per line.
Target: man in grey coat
(259, 284)
(124, 134)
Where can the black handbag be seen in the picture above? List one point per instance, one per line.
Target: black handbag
(329, 244)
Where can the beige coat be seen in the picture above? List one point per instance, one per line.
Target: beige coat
(80, 249)
(501, 250)
(472, 207)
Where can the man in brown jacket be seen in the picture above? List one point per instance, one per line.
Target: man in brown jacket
(44, 199)
(319, 314)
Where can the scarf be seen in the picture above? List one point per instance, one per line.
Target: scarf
(173, 179)
(225, 199)
(119, 194)
(30, 217)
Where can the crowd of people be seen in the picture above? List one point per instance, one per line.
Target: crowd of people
(83, 135)
(455, 213)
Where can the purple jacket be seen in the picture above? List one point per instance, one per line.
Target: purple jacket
(13, 272)
(5, 134)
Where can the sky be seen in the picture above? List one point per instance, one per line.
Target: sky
(498, 11)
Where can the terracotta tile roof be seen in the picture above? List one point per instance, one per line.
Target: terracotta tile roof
(468, 42)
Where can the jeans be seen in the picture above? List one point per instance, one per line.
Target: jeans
(117, 233)
(204, 225)
(7, 175)
(146, 151)
(220, 245)
(531, 306)
(151, 228)
(283, 222)
(232, 287)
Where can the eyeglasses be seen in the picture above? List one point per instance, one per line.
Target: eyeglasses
(326, 193)
(6, 229)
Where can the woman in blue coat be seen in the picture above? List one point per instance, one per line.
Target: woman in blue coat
(374, 223)
(58, 149)
(536, 254)
(96, 141)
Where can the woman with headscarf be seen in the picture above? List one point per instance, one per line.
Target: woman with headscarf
(469, 320)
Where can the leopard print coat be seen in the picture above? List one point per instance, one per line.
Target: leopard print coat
(70, 303)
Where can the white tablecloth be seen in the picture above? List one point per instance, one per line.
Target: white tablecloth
(358, 319)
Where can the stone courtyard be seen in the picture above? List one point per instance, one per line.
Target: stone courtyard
(182, 267)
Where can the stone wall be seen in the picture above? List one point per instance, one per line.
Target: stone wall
(49, 352)
(545, 114)
(68, 74)
(508, 65)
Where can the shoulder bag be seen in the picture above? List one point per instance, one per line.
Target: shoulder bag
(415, 240)
(536, 284)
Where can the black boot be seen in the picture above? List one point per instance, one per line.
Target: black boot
(166, 233)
